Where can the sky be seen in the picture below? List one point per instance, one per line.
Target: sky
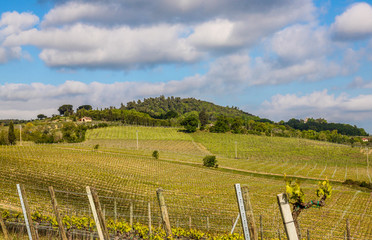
(277, 59)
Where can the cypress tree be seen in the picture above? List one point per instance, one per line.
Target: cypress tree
(11, 134)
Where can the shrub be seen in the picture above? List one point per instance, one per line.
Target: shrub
(96, 146)
(210, 161)
(155, 154)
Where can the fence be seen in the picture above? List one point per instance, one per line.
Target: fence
(144, 209)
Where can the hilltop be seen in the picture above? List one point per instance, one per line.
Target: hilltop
(159, 107)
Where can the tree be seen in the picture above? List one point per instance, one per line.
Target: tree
(236, 126)
(203, 118)
(41, 116)
(221, 126)
(171, 114)
(210, 161)
(11, 134)
(65, 110)
(155, 154)
(86, 107)
(190, 123)
(297, 197)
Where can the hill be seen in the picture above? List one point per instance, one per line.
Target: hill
(163, 108)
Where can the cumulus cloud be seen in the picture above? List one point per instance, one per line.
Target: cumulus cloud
(108, 34)
(318, 104)
(84, 46)
(13, 23)
(299, 42)
(354, 24)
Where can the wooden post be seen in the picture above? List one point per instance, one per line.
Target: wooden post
(236, 150)
(131, 214)
(164, 212)
(62, 232)
(20, 135)
(249, 213)
(137, 138)
(207, 224)
(149, 209)
(348, 235)
(3, 227)
(261, 228)
(308, 234)
(115, 211)
(97, 213)
(242, 211)
(279, 235)
(287, 218)
(190, 222)
(26, 212)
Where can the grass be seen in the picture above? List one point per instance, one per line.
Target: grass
(123, 174)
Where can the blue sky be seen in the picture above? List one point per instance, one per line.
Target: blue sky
(278, 59)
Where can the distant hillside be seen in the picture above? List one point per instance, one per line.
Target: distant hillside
(162, 107)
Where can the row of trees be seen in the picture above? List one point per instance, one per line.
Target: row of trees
(238, 125)
(67, 132)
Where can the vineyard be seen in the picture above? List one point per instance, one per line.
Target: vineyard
(118, 162)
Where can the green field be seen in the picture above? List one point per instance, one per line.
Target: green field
(124, 171)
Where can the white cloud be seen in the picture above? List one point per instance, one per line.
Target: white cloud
(7, 54)
(134, 34)
(14, 22)
(215, 34)
(318, 104)
(299, 42)
(355, 23)
(359, 82)
(96, 47)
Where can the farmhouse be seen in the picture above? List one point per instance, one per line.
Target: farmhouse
(85, 119)
(365, 139)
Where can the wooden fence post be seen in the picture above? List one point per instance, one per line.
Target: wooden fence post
(149, 209)
(97, 213)
(207, 223)
(62, 232)
(242, 211)
(115, 211)
(249, 213)
(3, 227)
(131, 215)
(261, 227)
(348, 235)
(26, 212)
(164, 212)
(287, 218)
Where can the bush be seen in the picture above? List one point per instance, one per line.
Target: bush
(155, 154)
(96, 146)
(210, 161)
